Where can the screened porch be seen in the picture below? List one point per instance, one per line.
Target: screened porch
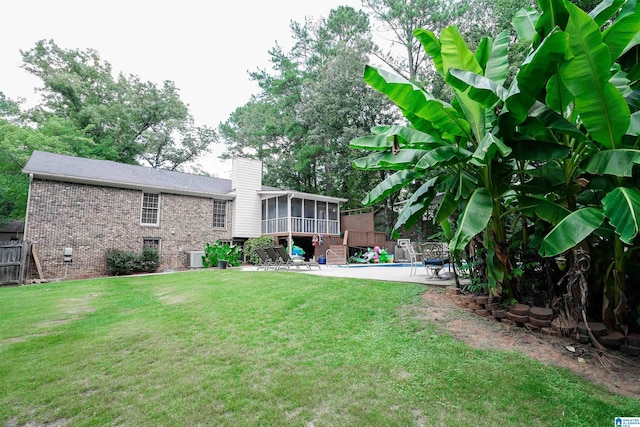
(287, 214)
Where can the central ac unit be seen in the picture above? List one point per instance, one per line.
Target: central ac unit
(195, 259)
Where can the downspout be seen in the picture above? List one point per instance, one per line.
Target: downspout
(290, 220)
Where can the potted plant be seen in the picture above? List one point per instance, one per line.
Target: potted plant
(221, 255)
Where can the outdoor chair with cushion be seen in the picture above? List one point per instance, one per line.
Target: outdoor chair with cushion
(435, 256)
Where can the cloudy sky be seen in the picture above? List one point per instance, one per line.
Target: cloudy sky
(206, 48)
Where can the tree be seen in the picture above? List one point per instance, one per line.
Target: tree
(128, 120)
(312, 104)
(17, 142)
(400, 18)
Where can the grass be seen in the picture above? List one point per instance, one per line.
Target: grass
(239, 348)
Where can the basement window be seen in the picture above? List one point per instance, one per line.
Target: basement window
(151, 242)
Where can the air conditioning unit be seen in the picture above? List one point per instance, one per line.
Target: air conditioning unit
(195, 259)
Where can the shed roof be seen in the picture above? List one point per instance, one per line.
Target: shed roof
(113, 174)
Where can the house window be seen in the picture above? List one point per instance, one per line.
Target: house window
(150, 209)
(219, 214)
(151, 242)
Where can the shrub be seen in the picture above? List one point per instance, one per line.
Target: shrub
(149, 260)
(122, 263)
(257, 242)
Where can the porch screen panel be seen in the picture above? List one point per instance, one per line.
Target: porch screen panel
(282, 223)
(296, 215)
(333, 224)
(309, 216)
(269, 224)
(322, 217)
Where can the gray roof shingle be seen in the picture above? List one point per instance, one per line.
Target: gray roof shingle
(103, 172)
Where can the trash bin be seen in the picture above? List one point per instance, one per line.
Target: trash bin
(322, 260)
(222, 264)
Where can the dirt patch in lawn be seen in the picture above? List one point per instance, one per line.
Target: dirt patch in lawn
(616, 371)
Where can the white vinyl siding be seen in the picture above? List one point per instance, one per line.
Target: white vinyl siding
(246, 178)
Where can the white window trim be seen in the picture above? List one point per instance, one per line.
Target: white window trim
(149, 224)
(226, 213)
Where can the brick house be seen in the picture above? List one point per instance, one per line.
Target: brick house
(85, 206)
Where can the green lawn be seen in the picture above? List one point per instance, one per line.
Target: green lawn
(238, 348)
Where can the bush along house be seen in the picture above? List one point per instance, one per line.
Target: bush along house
(78, 208)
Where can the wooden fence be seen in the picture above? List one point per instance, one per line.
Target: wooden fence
(14, 262)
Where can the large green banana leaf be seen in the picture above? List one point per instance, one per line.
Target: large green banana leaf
(619, 34)
(554, 14)
(460, 184)
(487, 150)
(601, 106)
(406, 138)
(404, 159)
(456, 54)
(634, 125)
(551, 212)
(629, 8)
(533, 75)
(389, 186)
(571, 230)
(524, 22)
(613, 162)
(417, 204)
(622, 207)
(447, 207)
(412, 99)
(496, 68)
(552, 121)
(474, 219)
(482, 90)
(605, 10)
(543, 208)
(443, 156)
(558, 96)
(432, 46)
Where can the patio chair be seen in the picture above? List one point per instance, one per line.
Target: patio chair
(275, 258)
(266, 261)
(435, 256)
(411, 253)
(288, 261)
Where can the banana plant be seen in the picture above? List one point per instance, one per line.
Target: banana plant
(570, 113)
(590, 97)
(595, 88)
(454, 148)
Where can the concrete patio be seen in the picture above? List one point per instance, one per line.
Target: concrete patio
(392, 273)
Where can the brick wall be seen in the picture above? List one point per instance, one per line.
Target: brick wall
(90, 219)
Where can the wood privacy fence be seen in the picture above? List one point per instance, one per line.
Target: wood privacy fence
(14, 261)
